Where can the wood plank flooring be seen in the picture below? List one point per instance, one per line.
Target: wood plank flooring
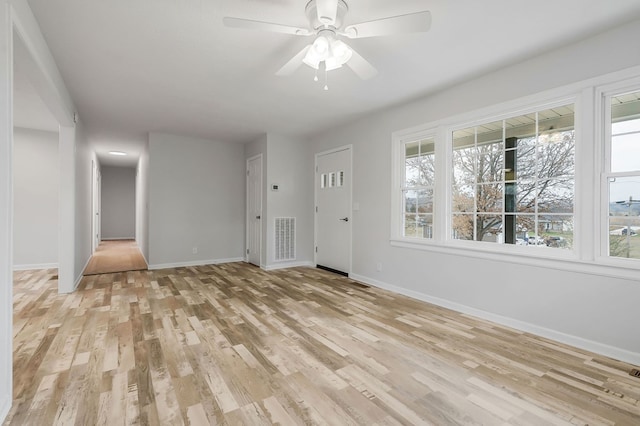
(116, 256)
(232, 344)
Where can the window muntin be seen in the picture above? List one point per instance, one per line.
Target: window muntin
(418, 188)
(513, 180)
(623, 177)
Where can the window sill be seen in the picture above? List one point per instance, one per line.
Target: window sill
(562, 260)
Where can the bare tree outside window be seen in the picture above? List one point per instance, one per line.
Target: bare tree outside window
(513, 180)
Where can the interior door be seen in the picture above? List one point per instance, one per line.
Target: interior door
(95, 206)
(254, 209)
(333, 210)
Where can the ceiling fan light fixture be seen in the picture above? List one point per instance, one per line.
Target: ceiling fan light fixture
(312, 59)
(341, 52)
(321, 46)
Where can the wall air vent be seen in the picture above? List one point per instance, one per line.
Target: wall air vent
(635, 373)
(285, 238)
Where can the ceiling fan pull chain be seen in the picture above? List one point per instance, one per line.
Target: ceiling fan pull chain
(315, 77)
(326, 79)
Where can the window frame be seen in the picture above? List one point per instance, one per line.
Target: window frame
(524, 109)
(400, 140)
(603, 131)
(586, 256)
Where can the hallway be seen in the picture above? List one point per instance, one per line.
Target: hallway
(116, 256)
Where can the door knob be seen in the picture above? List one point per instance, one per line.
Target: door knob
(257, 217)
(346, 219)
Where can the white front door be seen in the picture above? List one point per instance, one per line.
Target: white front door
(333, 210)
(254, 209)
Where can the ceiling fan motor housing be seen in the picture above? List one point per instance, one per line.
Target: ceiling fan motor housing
(316, 23)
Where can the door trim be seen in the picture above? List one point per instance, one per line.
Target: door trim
(349, 148)
(248, 213)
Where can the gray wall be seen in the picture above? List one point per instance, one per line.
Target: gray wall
(288, 162)
(83, 211)
(596, 312)
(196, 200)
(118, 204)
(290, 165)
(36, 182)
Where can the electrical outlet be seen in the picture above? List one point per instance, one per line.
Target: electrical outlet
(379, 266)
(195, 250)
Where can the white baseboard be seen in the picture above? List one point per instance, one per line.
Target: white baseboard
(284, 265)
(35, 266)
(119, 238)
(196, 263)
(558, 336)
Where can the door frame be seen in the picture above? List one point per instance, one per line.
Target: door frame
(248, 213)
(348, 148)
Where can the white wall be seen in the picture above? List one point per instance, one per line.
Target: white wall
(118, 206)
(142, 202)
(35, 199)
(196, 200)
(594, 312)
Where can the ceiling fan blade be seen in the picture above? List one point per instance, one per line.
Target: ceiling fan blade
(294, 63)
(264, 26)
(361, 66)
(410, 23)
(327, 11)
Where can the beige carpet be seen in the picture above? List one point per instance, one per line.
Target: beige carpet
(116, 256)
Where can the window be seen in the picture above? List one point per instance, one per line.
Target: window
(418, 188)
(513, 180)
(622, 172)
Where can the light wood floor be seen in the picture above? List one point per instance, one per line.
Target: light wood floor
(232, 344)
(115, 256)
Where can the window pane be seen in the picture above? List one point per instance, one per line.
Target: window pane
(464, 165)
(556, 154)
(556, 230)
(410, 201)
(427, 169)
(410, 225)
(489, 228)
(425, 201)
(625, 147)
(463, 198)
(424, 224)
(625, 130)
(462, 226)
(526, 196)
(490, 164)
(420, 163)
(556, 195)
(526, 230)
(490, 133)
(490, 197)
(526, 167)
(412, 161)
(464, 138)
(624, 217)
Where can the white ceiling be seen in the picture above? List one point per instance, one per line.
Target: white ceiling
(134, 67)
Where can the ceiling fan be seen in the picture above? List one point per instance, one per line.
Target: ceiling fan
(326, 22)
